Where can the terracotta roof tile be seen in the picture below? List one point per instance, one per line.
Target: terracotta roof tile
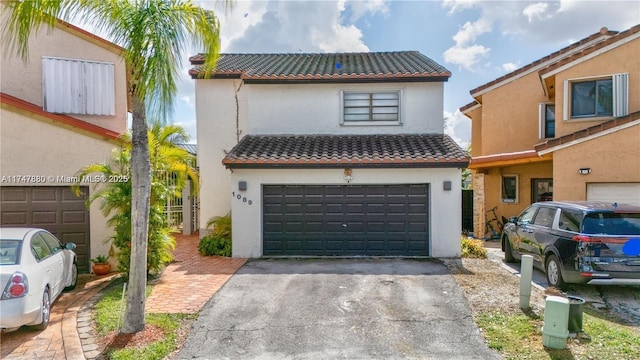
(549, 144)
(604, 33)
(401, 65)
(414, 150)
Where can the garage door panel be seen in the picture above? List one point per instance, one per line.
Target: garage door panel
(331, 220)
(56, 209)
(628, 193)
(41, 218)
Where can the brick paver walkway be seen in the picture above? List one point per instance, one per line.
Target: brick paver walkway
(60, 339)
(190, 281)
(184, 287)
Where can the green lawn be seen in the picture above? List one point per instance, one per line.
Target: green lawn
(520, 337)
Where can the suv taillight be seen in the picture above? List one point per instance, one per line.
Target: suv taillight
(18, 286)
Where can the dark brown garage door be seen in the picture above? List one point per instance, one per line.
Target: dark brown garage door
(369, 220)
(52, 208)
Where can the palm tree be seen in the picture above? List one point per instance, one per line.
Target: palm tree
(171, 169)
(155, 34)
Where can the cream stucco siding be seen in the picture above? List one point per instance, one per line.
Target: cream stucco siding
(247, 211)
(227, 110)
(40, 148)
(614, 158)
(24, 79)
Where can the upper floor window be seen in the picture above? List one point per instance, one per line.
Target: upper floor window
(598, 97)
(371, 107)
(547, 121)
(72, 86)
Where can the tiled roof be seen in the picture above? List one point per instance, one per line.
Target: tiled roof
(367, 66)
(59, 119)
(604, 33)
(190, 148)
(590, 131)
(412, 150)
(591, 49)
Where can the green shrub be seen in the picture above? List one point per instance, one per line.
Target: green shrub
(473, 248)
(215, 245)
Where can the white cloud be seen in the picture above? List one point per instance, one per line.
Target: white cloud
(296, 26)
(537, 11)
(367, 7)
(509, 67)
(188, 100)
(465, 56)
(458, 126)
(465, 52)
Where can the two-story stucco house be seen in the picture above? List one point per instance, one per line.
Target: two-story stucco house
(565, 127)
(61, 110)
(329, 154)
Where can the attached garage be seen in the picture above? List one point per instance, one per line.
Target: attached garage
(54, 208)
(346, 195)
(346, 220)
(628, 193)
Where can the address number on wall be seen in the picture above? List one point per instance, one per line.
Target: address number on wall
(239, 197)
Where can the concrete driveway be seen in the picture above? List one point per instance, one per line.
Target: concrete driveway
(337, 309)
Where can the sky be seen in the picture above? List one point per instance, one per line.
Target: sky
(478, 41)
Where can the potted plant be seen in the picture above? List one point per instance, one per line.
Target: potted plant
(101, 265)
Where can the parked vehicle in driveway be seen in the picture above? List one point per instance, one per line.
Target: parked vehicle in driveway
(34, 270)
(578, 241)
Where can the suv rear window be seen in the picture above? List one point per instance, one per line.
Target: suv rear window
(611, 224)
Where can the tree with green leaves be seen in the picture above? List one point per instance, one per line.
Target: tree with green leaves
(172, 168)
(155, 34)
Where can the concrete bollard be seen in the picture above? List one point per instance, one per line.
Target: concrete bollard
(526, 273)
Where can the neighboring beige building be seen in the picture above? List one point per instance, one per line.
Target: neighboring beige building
(61, 110)
(565, 127)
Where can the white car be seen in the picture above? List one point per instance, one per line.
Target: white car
(34, 270)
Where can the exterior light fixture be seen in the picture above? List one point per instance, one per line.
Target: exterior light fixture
(584, 171)
(348, 174)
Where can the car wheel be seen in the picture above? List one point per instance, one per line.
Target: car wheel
(74, 277)
(554, 274)
(45, 311)
(508, 252)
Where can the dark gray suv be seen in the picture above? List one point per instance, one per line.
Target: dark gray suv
(578, 241)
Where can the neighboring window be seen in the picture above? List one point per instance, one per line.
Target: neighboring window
(547, 121)
(541, 190)
(72, 86)
(545, 217)
(375, 107)
(599, 97)
(509, 188)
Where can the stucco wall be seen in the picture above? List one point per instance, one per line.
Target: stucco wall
(622, 59)
(444, 205)
(510, 117)
(34, 147)
(612, 158)
(315, 108)
(24, 80)
(288, 109)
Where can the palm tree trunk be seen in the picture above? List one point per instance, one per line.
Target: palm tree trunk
(141, 191)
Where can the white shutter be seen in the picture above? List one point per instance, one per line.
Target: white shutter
(542, 111)
(620, 94)
(566, 101)
(71, 86)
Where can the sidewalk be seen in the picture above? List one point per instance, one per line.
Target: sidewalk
(184, 287)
